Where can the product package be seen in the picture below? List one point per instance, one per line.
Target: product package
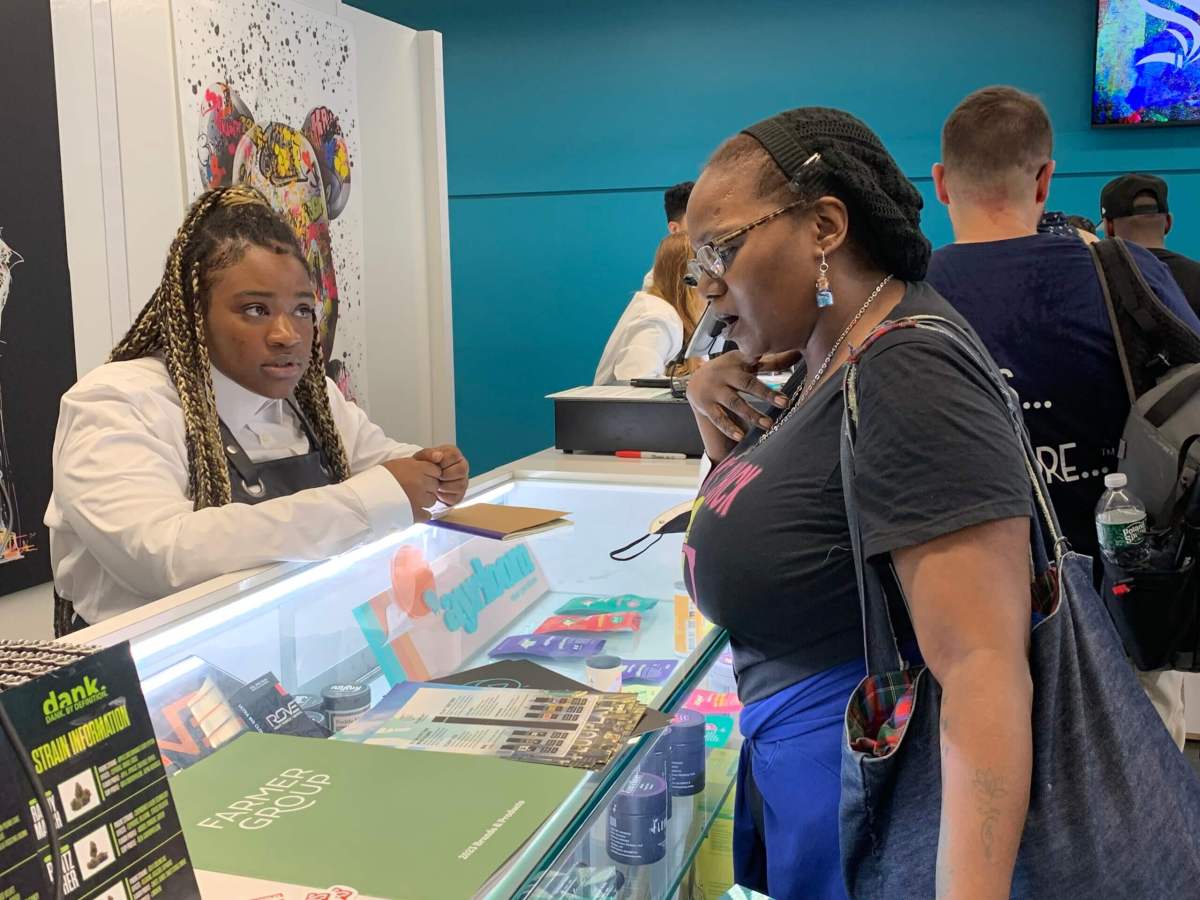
(717, 730)
(648, 671)
(602, 622)
(343, 704)
(621, 603)
(708, 702)
(690, 625)
(547, 646)
(266, 707)
(637, 821)
(191, 711)
(686, 753)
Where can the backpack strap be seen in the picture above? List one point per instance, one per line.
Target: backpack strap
(1151, 336)
(1118, 336)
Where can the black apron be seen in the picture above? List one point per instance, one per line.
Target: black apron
(251, 483)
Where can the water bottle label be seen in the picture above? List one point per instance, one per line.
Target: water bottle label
(1124, 536)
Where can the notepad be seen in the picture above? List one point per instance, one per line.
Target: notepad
(501, 523)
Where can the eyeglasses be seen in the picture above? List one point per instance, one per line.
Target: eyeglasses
(714, 258)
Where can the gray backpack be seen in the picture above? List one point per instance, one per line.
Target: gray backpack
(1160, 362)
(1156, 608)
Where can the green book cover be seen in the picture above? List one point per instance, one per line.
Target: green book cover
(392, 824)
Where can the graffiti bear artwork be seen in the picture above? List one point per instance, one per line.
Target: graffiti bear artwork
(304, 173)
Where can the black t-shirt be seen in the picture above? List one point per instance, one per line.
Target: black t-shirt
(768, 554)
(1186, 272)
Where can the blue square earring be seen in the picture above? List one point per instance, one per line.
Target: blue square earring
(824, 294)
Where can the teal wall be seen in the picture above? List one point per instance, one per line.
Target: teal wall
(566, 119)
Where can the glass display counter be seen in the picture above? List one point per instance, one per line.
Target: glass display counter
(427, 602)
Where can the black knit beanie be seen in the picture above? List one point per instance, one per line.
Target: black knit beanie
(856, 167)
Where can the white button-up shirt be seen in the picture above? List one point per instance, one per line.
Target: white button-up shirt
(648, 336)
(122, 529)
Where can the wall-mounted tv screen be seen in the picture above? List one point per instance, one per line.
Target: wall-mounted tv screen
(1147, 63)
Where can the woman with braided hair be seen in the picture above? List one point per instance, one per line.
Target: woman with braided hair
(807, 237)
(211, 441)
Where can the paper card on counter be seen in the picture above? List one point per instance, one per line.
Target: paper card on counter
(501, 523)
(611, 392)
(521, 673)
(576, 729)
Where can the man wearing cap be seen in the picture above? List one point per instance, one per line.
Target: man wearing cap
(1036, 302)
(1134, 208)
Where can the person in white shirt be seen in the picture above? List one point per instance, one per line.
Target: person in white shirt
(657, 325)
(212, 441)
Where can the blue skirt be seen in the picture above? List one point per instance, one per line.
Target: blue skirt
(785, 838)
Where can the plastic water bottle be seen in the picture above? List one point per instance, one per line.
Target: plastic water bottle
(1121, 524)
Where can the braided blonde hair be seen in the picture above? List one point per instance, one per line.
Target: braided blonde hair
(216, 232)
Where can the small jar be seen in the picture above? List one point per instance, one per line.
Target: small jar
(637, 821)
(604, 673)
(685, 738)
(343, 704)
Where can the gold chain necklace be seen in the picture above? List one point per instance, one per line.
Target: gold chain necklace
(805, 390)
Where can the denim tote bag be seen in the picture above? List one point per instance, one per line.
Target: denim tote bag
(1114, 807)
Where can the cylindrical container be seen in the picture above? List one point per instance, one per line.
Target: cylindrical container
(604, 673)
(343, 704)
(685, 740)
(657, 761)
(637, 821)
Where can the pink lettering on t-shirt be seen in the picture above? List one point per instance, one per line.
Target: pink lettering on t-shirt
(722, 490)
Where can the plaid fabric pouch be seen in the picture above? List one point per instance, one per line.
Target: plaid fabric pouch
(879, 710)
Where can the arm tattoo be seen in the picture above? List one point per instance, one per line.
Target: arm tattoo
(989, 791)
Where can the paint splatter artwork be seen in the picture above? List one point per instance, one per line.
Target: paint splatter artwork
(268, 89)
(1147, 62)
(14, 544)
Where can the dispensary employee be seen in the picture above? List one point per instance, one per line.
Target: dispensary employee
(211, 441)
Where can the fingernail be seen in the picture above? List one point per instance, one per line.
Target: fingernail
(737, 435)
(779, 400)
(765, 423)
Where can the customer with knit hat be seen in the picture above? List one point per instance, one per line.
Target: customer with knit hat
(807, 237)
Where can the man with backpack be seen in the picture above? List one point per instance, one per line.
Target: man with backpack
(1037, 302)
(1134, 207)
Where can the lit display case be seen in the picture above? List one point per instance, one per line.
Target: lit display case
(428, 602)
